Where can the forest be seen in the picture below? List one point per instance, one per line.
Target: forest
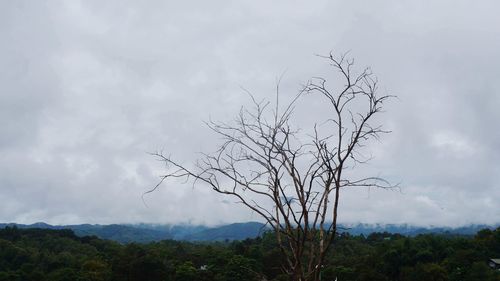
(60, 255)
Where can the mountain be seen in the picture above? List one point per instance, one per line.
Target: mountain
(116, 232)
(144, 233)
(120, 233)
(235, 231)
(410, 230)
(176, 232)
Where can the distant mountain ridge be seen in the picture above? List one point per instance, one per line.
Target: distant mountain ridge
(116, 232)
(411, 230)
(144, 233)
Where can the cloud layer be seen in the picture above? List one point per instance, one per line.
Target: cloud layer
(88, 88)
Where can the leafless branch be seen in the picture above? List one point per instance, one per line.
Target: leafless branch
(294, 182)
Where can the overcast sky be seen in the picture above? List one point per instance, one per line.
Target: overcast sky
(88, 88)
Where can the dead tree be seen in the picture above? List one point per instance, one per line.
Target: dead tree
(294, 181)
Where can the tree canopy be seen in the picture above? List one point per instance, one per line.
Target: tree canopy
(56, 255)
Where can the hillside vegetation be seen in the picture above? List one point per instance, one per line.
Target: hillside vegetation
(59, 254)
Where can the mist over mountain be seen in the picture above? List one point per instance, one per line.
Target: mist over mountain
(144, 233)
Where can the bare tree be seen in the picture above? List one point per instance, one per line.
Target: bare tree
(294, 181)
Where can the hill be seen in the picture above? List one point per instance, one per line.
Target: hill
(115, 232)
(235, 231)
(144, 233)
(37, 254)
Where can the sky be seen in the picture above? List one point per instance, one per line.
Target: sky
(89, 88)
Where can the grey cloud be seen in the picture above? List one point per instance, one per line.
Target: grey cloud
(88, 88)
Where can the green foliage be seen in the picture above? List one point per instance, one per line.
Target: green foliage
(240, 268)
(57, 255)
(95, 270)
(186, 272)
